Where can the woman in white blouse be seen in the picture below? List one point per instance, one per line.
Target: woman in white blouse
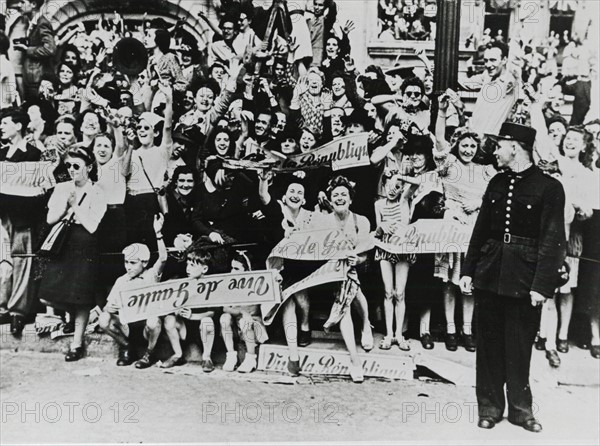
(70, 278)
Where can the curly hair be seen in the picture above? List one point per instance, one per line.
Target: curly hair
(461, 134)
(340, 181)
(586, 157)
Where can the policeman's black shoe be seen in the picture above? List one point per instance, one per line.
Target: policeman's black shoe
(531, 425)
(125, 357)
(426, 341)
(304, 338)
(540, 344)
(486, 423)
(148, 360)
(451, 342)
(562, 345)
(595, 351)
(469, 342)
(4, 318)
(17, 324)
(74, 354)
(553, 358)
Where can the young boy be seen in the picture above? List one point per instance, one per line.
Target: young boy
(198, 264)
(137, 275)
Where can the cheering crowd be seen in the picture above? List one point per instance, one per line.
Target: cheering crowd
(150, 176)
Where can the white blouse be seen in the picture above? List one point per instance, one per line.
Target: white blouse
(92, 208)
(112, 181)
(154, 161)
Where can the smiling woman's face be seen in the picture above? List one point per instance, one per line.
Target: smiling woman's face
(340, 199)
(103, 149)
(185, 184)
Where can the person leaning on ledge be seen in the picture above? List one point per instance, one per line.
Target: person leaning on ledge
(515, 252)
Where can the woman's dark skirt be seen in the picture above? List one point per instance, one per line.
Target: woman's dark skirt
(112, 238)
(588, 288)
(71, 277)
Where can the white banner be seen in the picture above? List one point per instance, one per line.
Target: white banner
(26, 179)
(313, 361)
(341, 153)
(240, 288)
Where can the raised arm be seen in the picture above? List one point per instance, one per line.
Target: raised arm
(167, 139)
(160, 263)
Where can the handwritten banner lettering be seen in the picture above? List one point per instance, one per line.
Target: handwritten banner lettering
(240, 288)
(428, 236)
(341, 153)
(320, 244)
(26, 179)
(313, 361)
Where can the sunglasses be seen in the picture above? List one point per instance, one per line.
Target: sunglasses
(413, 94)
(143, 127)
(74, 166)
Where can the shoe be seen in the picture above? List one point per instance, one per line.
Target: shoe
(230, 361)
(583, 345)
(4, 318)
(366, 340)
(74, 354)
(402, 344)
(385, 343)
(304, 338)
(553, 358)
(207, 365)
(486, 423)
(426, 341)
(248, 365)
(531, 425)
(451, 342)
(69, 327)
(147, 360)
(125, 357)
(17, 324)
(595, 351)
(540, 344)
(562, 345)
(294, 367)
(469, 342)
(172, 362)
(356, 373)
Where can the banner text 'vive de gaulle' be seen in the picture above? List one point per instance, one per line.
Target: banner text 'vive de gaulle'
(240, 288)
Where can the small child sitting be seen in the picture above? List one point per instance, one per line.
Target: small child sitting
(248, 321)
(198, 264)
(137, 275)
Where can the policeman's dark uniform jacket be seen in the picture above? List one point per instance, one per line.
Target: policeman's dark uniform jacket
(517, 246)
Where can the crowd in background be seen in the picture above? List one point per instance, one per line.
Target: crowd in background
(143, 163)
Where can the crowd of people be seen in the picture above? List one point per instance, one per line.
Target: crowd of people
(146, 175)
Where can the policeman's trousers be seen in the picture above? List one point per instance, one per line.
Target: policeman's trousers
(506, 329)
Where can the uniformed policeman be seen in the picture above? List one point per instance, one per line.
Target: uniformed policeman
(515, 252)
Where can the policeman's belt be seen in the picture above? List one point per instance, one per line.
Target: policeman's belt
(510, 239)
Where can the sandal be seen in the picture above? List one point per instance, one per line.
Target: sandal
(385, 343)
(403, 344)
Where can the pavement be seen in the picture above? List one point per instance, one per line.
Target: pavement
(43, 399)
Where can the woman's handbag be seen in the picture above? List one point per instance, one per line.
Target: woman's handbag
(55, 240)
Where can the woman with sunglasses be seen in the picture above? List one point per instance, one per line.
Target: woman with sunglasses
(464, 182)
(70, 280)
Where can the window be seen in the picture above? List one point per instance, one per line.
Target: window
(406, 19)
(497, 18)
